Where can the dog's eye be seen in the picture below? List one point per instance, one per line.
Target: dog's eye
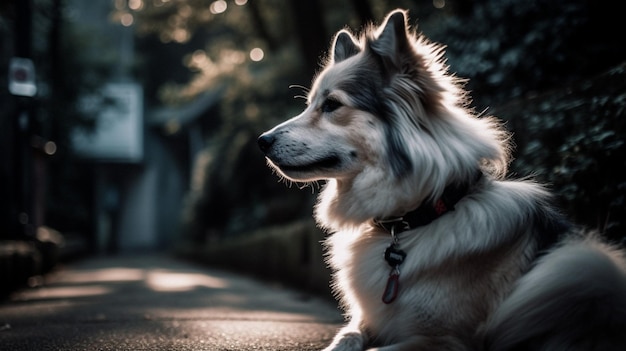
(330, 105)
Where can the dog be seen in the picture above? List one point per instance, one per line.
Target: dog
(432, 245)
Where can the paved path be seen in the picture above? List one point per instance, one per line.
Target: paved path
(159, 303)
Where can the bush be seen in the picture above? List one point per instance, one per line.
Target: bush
(575, 139)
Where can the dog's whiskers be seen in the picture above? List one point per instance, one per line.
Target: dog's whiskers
(312, 184)
(288, 182)
(301, 185)
(304, 89)
(482, 113)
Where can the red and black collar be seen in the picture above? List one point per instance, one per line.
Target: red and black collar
(428, 212)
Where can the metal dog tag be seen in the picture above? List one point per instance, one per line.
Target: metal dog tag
(394, 256)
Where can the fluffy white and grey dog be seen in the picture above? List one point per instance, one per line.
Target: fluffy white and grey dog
(432, 247)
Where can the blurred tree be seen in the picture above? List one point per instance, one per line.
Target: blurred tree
(574, 138)
(510, 48)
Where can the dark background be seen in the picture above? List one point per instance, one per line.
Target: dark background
(554, 70)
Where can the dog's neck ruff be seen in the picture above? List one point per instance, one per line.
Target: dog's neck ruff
(428, 212)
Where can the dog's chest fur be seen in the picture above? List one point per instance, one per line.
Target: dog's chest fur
(439, 290)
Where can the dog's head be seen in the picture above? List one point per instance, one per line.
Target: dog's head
(384, 113)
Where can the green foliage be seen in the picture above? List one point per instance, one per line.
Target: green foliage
(575, 139)
(510, 48)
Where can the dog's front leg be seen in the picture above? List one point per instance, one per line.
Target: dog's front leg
(349, 338)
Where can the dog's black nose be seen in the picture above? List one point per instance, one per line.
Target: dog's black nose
(265, 141)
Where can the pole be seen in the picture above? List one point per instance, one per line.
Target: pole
(22, 210)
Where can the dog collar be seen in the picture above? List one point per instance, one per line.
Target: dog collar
(421, 216)
(428, 212)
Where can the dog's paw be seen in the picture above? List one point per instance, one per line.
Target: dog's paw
(351, 341)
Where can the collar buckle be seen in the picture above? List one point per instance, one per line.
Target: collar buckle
(393, 225)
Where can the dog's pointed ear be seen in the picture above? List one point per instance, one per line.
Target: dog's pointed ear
(345, 46)
(392, 41)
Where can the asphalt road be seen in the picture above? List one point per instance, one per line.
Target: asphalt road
(159, 303)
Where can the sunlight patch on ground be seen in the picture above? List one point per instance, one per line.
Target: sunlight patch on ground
(95, 282)
(162, 280)
(114, 274)
(63, 292)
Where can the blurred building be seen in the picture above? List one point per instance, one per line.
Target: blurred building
(140, 179)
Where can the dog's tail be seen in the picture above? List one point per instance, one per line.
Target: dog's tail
(573, 299)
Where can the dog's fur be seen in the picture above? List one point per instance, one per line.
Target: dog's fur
(388, 129)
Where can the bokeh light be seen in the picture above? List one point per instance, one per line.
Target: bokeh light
(50, 148)
(257, 54)
(127, 19)
(218, 6)
(135, 4)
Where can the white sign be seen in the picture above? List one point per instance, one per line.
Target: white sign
(118, 136)
(22, 77)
